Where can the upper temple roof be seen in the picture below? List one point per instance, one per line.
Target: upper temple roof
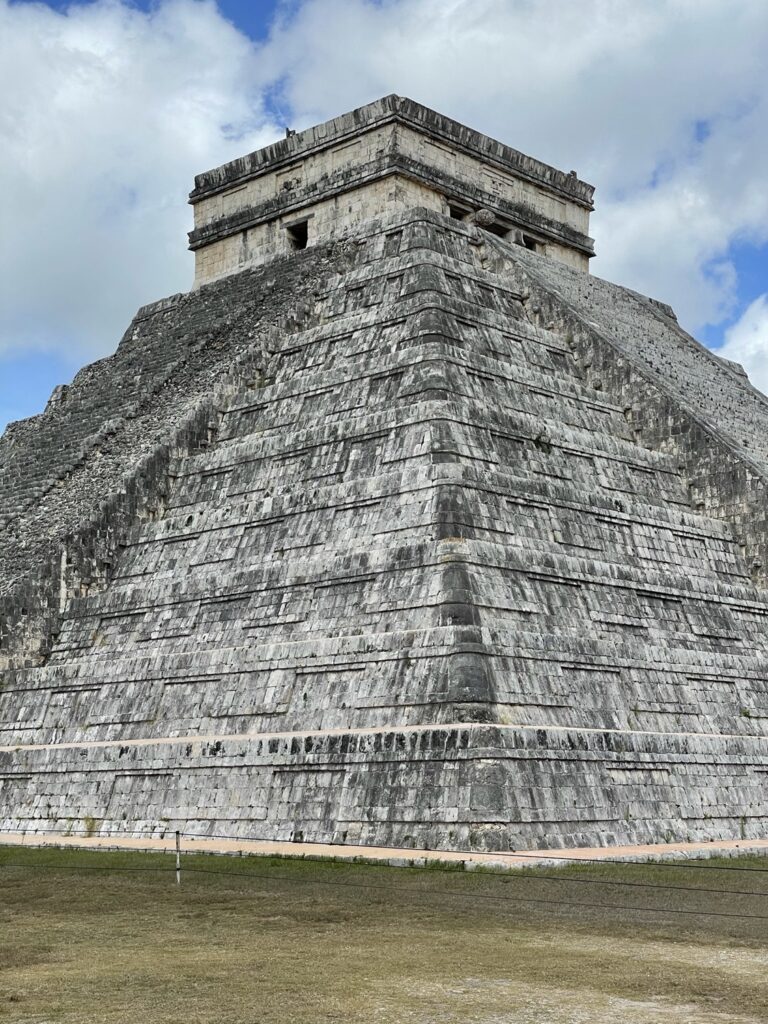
(388, 109)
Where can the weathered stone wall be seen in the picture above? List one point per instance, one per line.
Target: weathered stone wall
(435, 578)
(96, 458)
(482, 787)
(393, 154)
(677, 395)
(328, 220)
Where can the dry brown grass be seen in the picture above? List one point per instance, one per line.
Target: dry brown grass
(290, 942)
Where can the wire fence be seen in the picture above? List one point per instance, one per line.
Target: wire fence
(556, 854)
(528, 875)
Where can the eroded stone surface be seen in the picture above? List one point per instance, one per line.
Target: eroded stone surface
(407, 541)
(382, 159)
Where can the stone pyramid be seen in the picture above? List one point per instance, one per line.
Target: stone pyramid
(399, 528)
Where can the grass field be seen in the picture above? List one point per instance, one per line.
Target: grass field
(94, 936)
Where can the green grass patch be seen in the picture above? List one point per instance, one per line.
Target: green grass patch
(108, 936)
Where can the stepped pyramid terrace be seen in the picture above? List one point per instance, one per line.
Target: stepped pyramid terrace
(399, 528)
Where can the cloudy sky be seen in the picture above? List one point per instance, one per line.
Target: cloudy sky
(108, 109)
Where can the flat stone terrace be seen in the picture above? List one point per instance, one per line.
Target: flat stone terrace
(428, 582)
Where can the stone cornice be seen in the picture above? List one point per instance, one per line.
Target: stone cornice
(386, 110)
(388, 164)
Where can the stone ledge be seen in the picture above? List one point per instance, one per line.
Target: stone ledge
(385, 110)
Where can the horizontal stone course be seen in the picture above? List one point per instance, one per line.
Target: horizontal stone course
(351, 787)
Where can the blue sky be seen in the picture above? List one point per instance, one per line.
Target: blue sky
(254, 18)
(109, 108)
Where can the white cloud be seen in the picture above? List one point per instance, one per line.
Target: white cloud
(746, 342)
(106, 114)
(619, 90)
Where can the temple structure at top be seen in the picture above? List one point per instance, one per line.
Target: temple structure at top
(386, 157)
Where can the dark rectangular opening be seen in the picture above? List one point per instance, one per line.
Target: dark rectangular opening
(392, 243)
(498, 229)
(530, 243)
(298, 235)
(457, 212)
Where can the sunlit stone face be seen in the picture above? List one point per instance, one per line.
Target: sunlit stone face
(386, 158)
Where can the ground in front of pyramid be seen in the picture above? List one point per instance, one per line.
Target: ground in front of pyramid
(399, 529)
(109, 937)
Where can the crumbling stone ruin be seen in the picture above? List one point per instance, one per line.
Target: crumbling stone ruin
(399, 528)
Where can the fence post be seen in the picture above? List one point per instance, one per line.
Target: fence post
(178, 858)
